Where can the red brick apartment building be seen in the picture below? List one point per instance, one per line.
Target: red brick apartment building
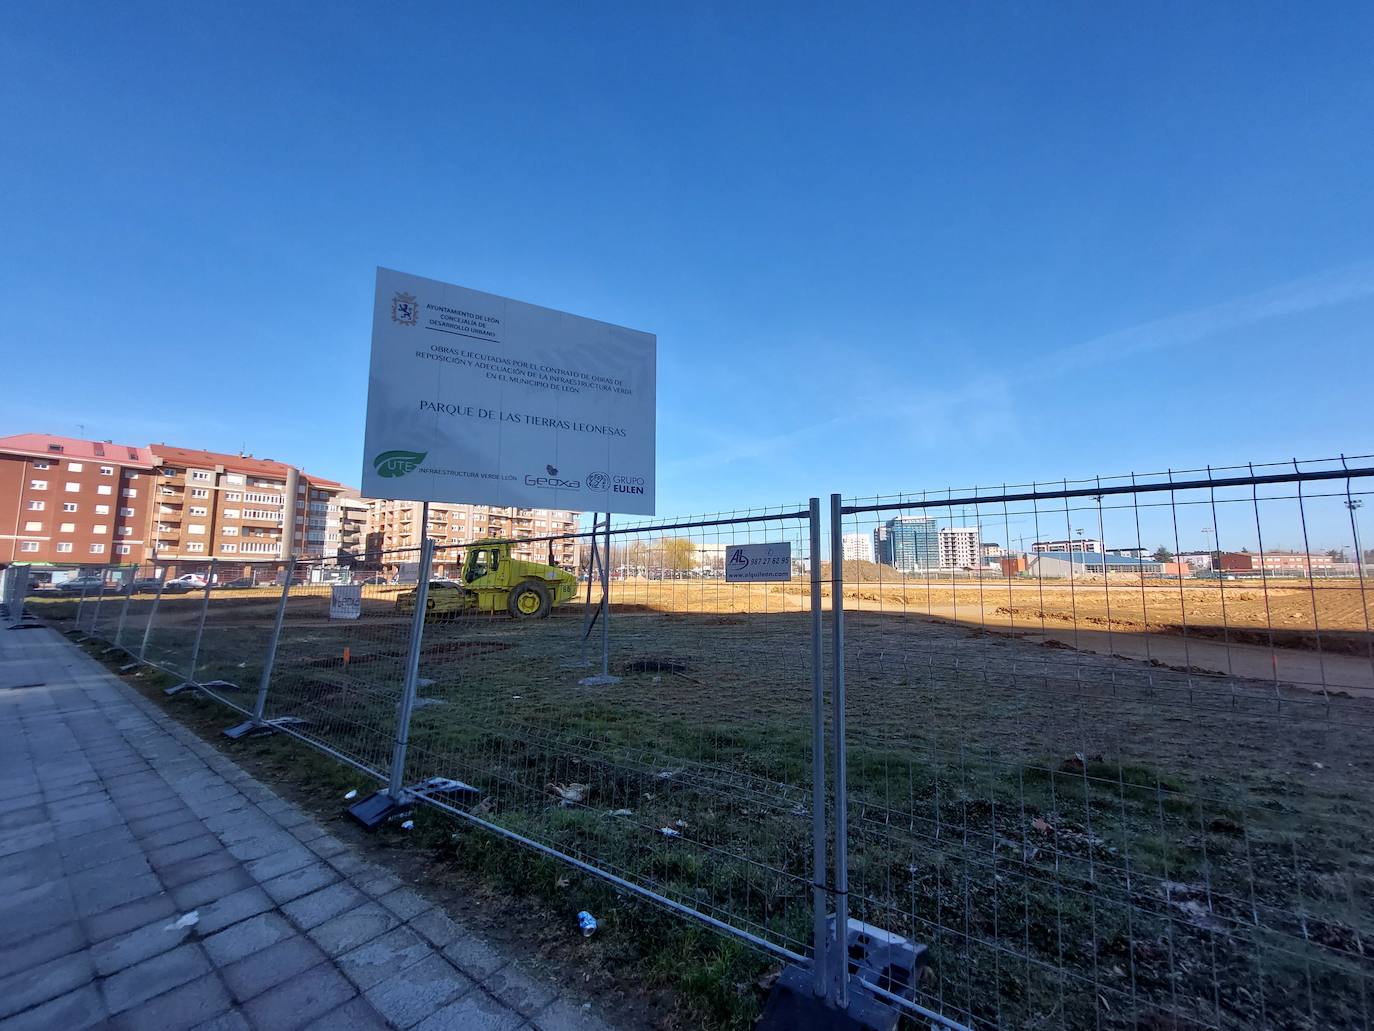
(66, 502)
(73, 502)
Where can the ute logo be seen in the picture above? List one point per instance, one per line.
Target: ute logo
(398, 463)
(404, 309)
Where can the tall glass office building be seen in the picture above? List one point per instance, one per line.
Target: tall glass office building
(913, 542)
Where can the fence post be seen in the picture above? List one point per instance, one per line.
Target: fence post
(820, 951)
(99, 597)
(81, 606)
(260, 704)
(200, 627)
(412, 675)
(124, 609)
(152, 612)
(839, 952)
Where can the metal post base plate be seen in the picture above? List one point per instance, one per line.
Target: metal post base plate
(600, 680)
(793, 1006)
(377, 808)
(129, 667)
(253, 728)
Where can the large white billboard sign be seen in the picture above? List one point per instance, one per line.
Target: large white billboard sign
(480, 399)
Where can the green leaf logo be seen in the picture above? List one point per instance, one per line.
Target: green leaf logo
(398, 463)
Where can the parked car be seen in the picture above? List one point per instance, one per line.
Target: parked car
(83, 585)
(241, 584)
(375, 580)
(193, 581)
(143, 585)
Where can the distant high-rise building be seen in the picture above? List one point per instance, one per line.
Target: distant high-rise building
(959, 548)
(882, 550)
(858, 547)
(914, 543)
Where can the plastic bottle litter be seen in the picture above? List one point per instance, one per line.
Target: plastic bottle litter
(408, 825)
(587, 922)
(352, 794)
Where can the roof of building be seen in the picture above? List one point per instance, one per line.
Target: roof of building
(196, 458)
(43, 445)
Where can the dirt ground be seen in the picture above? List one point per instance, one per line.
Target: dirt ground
(1082, 837)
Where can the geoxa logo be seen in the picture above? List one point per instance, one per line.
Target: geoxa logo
(552, 482)
(398, 463)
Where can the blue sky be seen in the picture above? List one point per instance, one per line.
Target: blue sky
(965, 244)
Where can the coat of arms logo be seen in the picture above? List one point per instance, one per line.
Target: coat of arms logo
(404, 309)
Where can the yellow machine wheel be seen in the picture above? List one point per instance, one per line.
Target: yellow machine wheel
(529, 601)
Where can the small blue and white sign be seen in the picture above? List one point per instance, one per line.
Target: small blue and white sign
(758, 563)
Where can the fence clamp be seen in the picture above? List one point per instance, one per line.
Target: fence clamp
(379, 807)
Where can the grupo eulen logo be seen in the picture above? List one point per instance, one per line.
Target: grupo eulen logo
(398, 463)
(598, 481)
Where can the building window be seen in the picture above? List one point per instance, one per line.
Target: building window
(131, 476)
(198, 510)
(200, 492)
(104, 488)
(55, 447)
(126, 512)
(107, 470)
(99, 509)
(130, 492)
(97, 549)
(231, 513)
(195, 546)
(75, 467)
(69, 506)
(38, 485)
(37, 506)
(64, 547)
(100, 528)
(234, 478)
(42, 465)
(124, 531)
(197, 528)
(233, 495)
(200, 474)
(124, 549)
(28, 545)
(73, 488)
(68, 528)
(33, 527)
(228, 549)
(230, 531)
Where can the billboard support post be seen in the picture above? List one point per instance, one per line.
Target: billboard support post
(603, 678)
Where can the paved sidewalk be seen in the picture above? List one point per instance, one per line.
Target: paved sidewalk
(146, 881)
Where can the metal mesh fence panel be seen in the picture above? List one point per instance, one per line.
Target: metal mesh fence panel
(110, 602)
(232, 632)
(340, 661)
(688, 772)
(168, 603)
(1108, 744)
(14, 586)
